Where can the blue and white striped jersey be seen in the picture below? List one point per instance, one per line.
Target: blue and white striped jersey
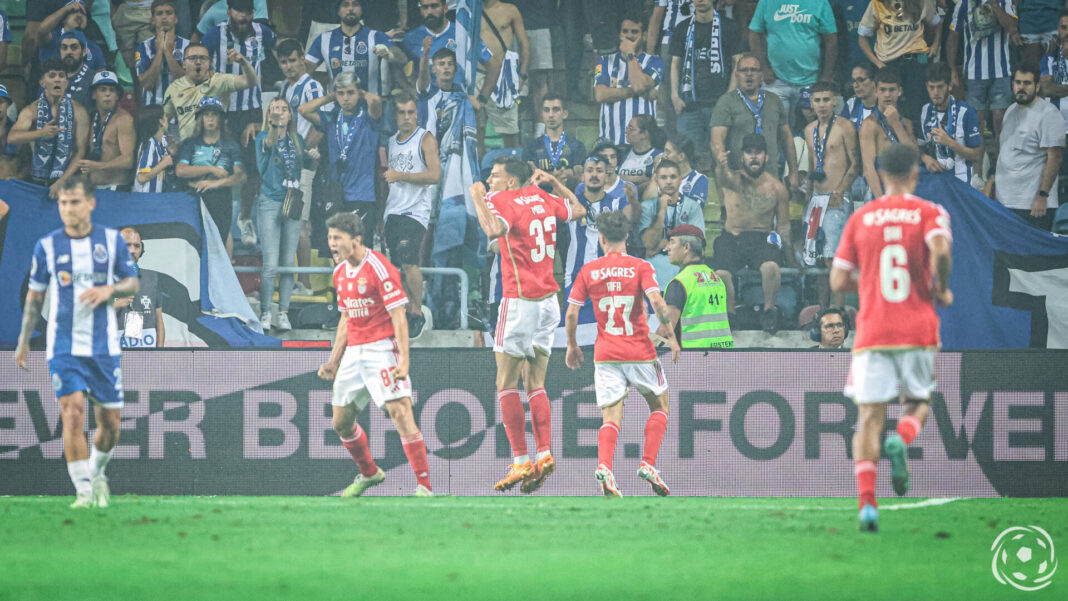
(5, 28)
(856, 111)
(695, 185)
(355, 54)
(611, 71)
(152, 152)
(260, 41)
(143, 57)
(583, 245)
(677, 12)
(67, 267)
(964, 128)
(446, 38)
(986, 43)
(1055, 65)
(305, 90)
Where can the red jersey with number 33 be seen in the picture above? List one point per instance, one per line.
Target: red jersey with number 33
(886, 241)
(366, 294)
(528, 247)
(617, 284)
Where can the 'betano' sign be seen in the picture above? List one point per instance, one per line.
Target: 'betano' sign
(741, 424)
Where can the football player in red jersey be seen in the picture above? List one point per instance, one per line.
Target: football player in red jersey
(524, 217)
(623, 355)
(370, 357)
(896, 253)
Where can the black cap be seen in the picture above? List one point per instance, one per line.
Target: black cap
(245, 6)
(754, 143)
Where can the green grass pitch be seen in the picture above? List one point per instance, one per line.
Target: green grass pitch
(546, 548)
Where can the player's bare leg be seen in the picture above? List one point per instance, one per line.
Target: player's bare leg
(541, 419)
(355, 441)
(870, 420)
(896, 445)
(76, 448)
(655, 427)
(606, 448)
(400, 411)
(514, 418)
(107, 436)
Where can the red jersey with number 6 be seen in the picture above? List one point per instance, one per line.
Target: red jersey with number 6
(366, 294)
(528, 247)
(887, 243)
(617, 283)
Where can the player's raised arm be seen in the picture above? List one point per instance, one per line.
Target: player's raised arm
(667, 321)
(493, 225)
(577, 210)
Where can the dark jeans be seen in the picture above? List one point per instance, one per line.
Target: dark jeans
(1044, 223)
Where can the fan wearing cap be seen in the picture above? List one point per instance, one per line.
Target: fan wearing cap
(10, 165)
(73, 49)
(110, 156)
(69, 18)
(757, 227)
(696, 298)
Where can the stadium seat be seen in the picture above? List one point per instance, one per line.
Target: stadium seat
(492, 155)
(1060, 220)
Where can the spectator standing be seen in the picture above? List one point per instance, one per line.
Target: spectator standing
(154, 163)
(1031, 150)
(132, 21)
(414, 170)
(693, 183)
(67, 19)
(280, 152)
(988, 27)
(538, 17)
(503, 32)
(219, 12)
(857, 109)
(183, 96)
(749, 109)
(555, 152)
(431, 99)
(703, 51)
(666, 16)
(697, 311)
(646, 142)
(55, 127)
(950, 127)
(349, 120)
(1037, 28)
(582, 246)
(884, 127)
(12, 159)
(109, 159)
(626, 81)
(442, 34)
(37, 12)
(663, 213)
(159, 59)
(72, 51)
(786, 36)
(244, 113)
(847, 16)
(1054, 70)
(356, 49)
(902, 30)
(210, 162)
(141, 316)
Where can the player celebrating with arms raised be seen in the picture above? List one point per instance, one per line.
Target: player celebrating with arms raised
(896, 253)
(370, 356)
(623, 354)
(525, 218)
(83, 267)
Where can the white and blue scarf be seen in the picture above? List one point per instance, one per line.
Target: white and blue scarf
(291, 164)
(689, 64)
(51, 156)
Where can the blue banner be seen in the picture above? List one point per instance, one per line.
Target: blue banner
(203, 301)
(1009, 279)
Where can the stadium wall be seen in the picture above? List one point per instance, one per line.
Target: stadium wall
(257, 422)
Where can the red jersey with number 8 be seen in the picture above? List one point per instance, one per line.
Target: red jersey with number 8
(617, 284)
(366, 294)
(528, 247)
(887, 243)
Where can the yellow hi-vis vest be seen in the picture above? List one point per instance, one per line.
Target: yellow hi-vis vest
(703, 322)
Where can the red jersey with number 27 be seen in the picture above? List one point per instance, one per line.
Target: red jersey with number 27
(617, 284)
(886, 241)
(366, 294)
(528, 247)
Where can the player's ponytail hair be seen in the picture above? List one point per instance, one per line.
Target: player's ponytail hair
(613, 225)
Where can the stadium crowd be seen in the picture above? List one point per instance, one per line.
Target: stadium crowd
(747, 131)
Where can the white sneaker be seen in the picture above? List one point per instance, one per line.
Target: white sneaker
(265, 321)
(101, 492)
(422, 491)
(82, 501)
(362, 483)
(299, 289)
(248, 232)
(283, 324)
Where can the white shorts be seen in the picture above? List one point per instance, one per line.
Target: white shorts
(612, 380)
(880, 376)
(526, 326)
(366, 373)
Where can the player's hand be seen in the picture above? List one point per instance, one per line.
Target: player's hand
(673, 344)
(940, 136)
(22, 355)
(477, 190)
(96, 295)
(401, 371)
(932, 165)
(541, 176)
(944, 298)
(392, 176)
(1039, 206)
(327, 371)
(574, 357)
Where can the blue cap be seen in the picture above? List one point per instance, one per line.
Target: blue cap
(105, 77)
(210, 103)
(74, 33)
(3, 92)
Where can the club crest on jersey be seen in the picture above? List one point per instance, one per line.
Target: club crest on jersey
(100, 254)
(64, 278)
(361, 285)
(451, 44)
(361, 48)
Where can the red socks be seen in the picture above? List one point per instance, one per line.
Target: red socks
(908, 427)
(514, 419)
(606, 443)
(541, 418)
(654, 435)
(865, 472)
(415, 449)
(361, 453)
